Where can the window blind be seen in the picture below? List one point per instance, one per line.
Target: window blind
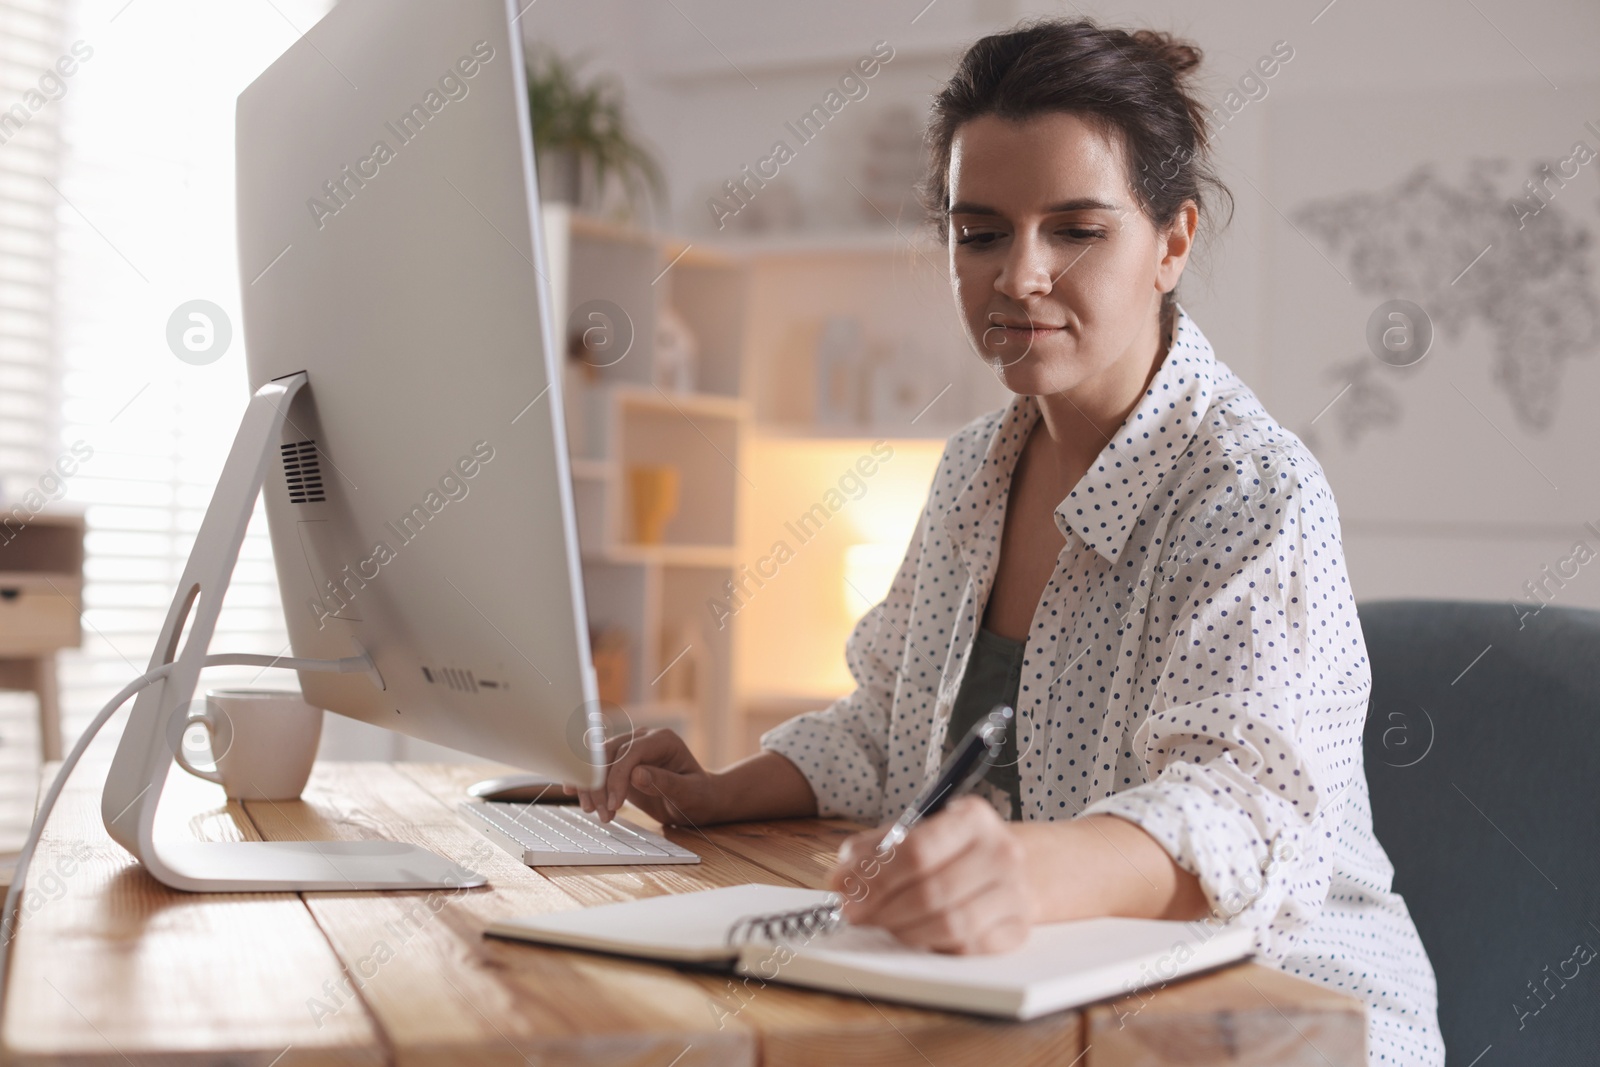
(31, 36)
(135, 220)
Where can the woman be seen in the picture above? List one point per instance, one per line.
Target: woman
(1131, 552)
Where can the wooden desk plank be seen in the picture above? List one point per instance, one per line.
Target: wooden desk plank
(109, 966)
(800, 850)
(444, 993)
(410, 977)
(1243, 1016)
(795, 1026)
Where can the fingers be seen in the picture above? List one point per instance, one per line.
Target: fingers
(599, 799)
(967, 906)
(957, 883)
(966, 824)
(672, 799)
(625, 752)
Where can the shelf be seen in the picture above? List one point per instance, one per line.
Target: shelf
(786, 704)
(789, 431)
(671, 555)
(594, 470)
(935, 49)
(863, 241)
(599, 229)
(672, 249)
(646, 712)
(712, 405)
(620, 418)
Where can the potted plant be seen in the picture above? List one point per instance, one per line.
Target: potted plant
(581, 136)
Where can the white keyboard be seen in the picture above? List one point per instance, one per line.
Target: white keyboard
(552, 835)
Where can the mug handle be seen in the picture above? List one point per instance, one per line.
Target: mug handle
(204, 719)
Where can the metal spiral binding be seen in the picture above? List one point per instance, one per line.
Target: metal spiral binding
(785, 926)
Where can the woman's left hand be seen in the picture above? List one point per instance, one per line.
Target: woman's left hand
(957, 883)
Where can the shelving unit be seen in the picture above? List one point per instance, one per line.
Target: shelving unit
(757, 307)
(896, 286)
(620, 417)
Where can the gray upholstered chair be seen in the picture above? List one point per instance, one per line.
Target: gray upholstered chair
(1483, 756)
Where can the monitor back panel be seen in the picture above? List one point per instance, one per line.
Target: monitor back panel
(420, 503)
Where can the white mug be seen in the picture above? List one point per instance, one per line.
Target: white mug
(263, 742)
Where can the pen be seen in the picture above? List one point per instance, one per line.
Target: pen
(971, 759)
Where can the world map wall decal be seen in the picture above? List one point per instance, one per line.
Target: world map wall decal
(1464, 252)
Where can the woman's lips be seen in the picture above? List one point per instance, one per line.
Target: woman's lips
(1032, 332)
(1013, 343)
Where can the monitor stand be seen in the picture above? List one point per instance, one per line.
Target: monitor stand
(145, 753)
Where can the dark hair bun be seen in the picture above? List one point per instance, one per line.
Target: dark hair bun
(1137, 83)
(1177, 54)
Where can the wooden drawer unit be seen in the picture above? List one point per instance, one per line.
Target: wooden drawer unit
(40, 613)
(41, 607)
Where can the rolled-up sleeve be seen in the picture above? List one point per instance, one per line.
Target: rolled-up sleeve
(842, 749)
(1254, 731)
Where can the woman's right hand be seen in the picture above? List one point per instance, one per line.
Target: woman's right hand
(654, 769)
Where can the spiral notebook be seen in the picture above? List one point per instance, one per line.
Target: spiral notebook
(1061, 965)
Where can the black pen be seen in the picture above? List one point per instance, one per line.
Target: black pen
(971, 759)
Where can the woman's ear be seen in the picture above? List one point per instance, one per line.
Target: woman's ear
(1174, 245)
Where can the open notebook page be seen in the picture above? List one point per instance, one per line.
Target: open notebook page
(685, 927)
(1061, 965)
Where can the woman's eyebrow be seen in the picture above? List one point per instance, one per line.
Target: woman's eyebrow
(1082, 203)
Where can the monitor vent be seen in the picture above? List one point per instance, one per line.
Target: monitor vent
(453, 677)
(302, 473)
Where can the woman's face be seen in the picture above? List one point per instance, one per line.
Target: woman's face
(1056, 270)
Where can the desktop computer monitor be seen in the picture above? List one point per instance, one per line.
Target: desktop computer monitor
(405, 429)
(420, 502)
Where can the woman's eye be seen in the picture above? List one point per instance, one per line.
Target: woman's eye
(984, 238)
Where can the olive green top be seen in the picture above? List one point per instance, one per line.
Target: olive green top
(993, 674)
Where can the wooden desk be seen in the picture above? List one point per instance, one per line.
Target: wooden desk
(110, 967)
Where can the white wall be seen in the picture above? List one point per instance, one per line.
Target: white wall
(711, 83)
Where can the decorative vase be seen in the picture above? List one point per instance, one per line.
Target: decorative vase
(677, 351)
(653, 492)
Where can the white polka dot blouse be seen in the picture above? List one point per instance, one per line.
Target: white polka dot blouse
(1195, 665)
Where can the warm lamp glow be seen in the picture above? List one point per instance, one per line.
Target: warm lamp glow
(868, 572)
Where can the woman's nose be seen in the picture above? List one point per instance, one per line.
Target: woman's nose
(1026, 270)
